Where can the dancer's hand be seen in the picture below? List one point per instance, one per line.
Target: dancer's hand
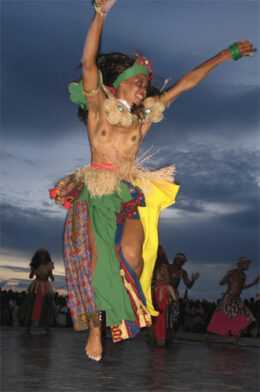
(104, 6)
(257, 279)
(195, 276)
(246, 48)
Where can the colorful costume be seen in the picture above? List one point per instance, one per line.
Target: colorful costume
(39, 307)
(100, 197)
(98, 276)
(231, 316)
(162, 299)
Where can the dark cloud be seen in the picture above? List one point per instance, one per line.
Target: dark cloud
(39, 62)
(29, 229)
(219, 174)
(218, 205)
(209, 179)
(210, 133)
(212, 240)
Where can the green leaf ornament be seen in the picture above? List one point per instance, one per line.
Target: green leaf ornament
(77, 95)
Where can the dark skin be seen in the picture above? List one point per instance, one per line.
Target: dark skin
(118, 145)
(176, 270)
(236, 279)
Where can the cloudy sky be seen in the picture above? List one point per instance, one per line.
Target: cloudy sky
(210, 133)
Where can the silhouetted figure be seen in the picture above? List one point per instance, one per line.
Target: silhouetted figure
(163, 295)
(38, 310)
(178, 274)
(232, 316)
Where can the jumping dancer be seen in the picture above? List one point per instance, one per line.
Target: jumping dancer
(114, 203)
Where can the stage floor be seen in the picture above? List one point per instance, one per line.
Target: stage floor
(57, 363)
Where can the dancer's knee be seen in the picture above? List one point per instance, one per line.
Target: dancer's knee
(134, 258)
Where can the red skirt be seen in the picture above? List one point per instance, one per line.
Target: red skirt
(160, 322)
(230, 318)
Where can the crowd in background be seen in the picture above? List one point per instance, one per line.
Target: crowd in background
(194, 314)
(10, 304)
(40, 305)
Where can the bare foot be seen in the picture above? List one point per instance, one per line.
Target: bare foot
(94, 346)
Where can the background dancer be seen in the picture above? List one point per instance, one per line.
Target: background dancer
(114, 198)
(38, 310)
(177, 274)
(232, 316)
(163, 296)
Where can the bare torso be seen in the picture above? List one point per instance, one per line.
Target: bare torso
(175, 275)
(119, 146)
(112, 143)
(235, 281)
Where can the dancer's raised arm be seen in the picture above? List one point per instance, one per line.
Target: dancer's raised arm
(190, 282)
(255, 282)
(192, 78)
(92, 43)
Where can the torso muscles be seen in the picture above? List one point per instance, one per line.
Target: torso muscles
(236, 281)
(112, 143)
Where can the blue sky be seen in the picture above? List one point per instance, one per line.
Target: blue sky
(210, 133)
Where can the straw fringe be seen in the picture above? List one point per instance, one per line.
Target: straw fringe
(104, 182)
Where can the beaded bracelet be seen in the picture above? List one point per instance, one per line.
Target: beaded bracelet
(235, 52)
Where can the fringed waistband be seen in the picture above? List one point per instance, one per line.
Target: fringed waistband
(103, 179)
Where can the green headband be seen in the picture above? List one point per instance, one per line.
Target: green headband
(76, 88)
(134, 70)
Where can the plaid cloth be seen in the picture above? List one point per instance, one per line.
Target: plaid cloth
(78, 267)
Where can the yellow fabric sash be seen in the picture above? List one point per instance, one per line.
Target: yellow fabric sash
(161, 195)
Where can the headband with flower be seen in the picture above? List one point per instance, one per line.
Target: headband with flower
(140, 66)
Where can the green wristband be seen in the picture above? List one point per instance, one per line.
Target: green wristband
(235, 52)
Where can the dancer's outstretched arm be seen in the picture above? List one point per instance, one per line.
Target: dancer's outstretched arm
(255, 282)
(190, 282)
(194, 77)
(91, 47)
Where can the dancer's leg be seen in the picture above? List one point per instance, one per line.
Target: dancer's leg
(94, 342)
(132, 244)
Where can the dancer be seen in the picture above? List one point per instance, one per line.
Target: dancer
(232, 316)
(178, 274)
(114, 203)
(163, 296)
(38, 309)
(161, 259)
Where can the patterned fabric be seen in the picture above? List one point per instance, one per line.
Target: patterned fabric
(128, 329)
(67, 190)
(78, 267)
(231, 317)
(132, 284)
(86, 288)
(234, 306)
(79, 275)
